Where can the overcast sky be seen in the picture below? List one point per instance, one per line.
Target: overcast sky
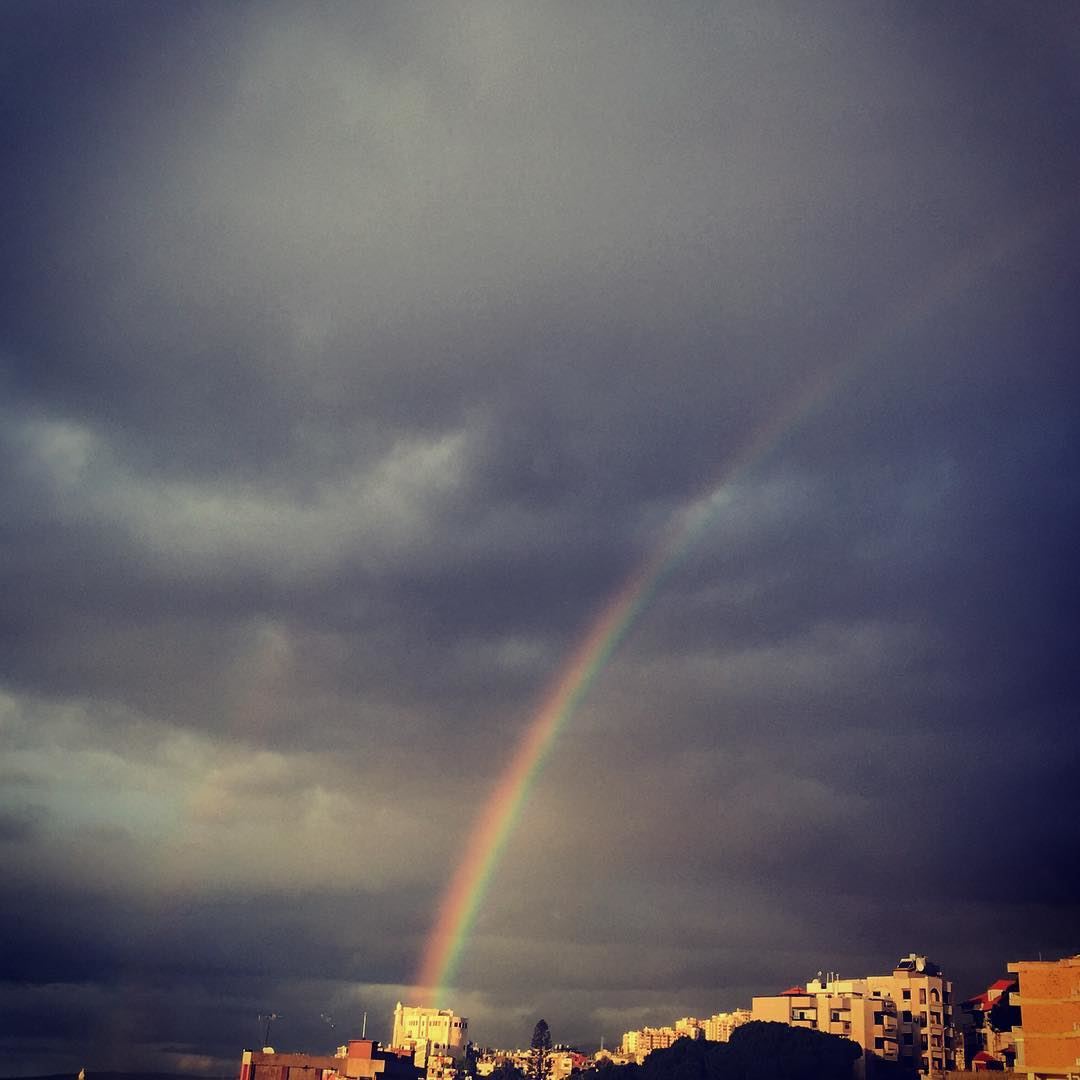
(353, 355)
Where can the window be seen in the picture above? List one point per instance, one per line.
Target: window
(906, 1016)
(835, 1017)
(922, 997)
(923, 1043)
(906, 994)
(907, 1040)
(879, 1044)
(935, 1018)
(934, 995)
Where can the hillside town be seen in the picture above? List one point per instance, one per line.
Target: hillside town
(1024, 1025)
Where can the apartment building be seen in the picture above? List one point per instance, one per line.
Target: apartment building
(905, 1016)
(690, 1027)
(1048, 1037)
(869, 1021)
(719, 1026)
(639, 1044)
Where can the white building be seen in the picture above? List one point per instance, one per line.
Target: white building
(430, 1033)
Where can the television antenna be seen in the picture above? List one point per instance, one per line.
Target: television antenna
(269, 1018)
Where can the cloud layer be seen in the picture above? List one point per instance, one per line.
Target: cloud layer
(352, 357)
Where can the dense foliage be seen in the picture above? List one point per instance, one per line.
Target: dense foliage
(757, 1051)
(540, 1047)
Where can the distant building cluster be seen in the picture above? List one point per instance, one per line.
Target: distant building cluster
(1027, 1025)
(562, 1062)
(637, 1045)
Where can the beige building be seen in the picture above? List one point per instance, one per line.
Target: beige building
(639, 1044)
(1048, 1038)
(924, 1004)
(926, 1033)
(906, 1016)
(868, 1021)
(433, 1036)
(719, 1026)
(690, 1027)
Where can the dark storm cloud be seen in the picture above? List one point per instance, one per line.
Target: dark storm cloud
(351, 358)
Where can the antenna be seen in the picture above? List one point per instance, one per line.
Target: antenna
(269, 1018)
(363, 1030)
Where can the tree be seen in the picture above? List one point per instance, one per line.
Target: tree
(541, 1049)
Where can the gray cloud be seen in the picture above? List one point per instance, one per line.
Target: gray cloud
(352, 358)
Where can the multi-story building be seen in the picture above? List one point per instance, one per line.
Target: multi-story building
(639, 1044)
(866, 1020)
(926, 1034)
(431, 1035)
(1048, 1038)
(719, 1026)
(905, 1016)
(690, 1027)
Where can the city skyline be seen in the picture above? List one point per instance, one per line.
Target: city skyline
(565, 510)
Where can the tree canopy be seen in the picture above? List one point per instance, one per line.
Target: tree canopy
(757, 1051)
(541, 1048)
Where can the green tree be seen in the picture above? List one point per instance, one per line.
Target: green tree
(541, 1050)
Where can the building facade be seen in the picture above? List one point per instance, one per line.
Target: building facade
(1048, 1037)
(637, 1045)
(436, 1038)
(866, 1020)
(924, 1004)
(359, 1059)
(719, 1026)
(906, 1016)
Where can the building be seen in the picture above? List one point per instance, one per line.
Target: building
(866, 1020)
(924, 1002)
(905, 1016)
(562, 1063)
(719, 1026)
(359, 1059)
(988, 1039)
(436, 1038)
(637, 1045)
(690, 1027)
(1048, 1037)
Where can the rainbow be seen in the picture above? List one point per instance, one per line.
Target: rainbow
(468, 886)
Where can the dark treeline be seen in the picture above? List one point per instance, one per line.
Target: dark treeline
(758, 1051)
